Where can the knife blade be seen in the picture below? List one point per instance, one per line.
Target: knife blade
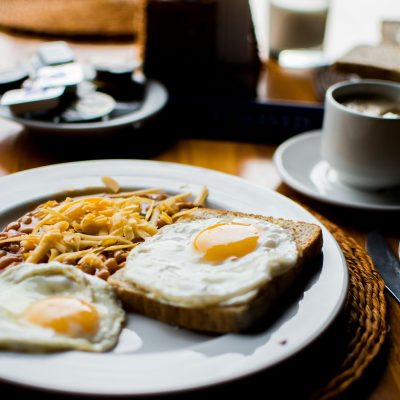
(385, 262)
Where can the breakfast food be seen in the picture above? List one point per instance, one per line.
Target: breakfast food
(377, 62)
(215, 270)
(196, 268)
(47, 307)
(95, 232)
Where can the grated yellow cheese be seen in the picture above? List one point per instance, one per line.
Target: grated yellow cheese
(79, 230)
(111, 183)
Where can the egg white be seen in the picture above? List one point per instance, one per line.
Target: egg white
(169, 268)
(24, 284)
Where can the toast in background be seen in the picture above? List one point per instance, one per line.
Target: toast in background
(377, 62)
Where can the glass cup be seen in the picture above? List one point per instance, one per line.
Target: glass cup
(296, 32)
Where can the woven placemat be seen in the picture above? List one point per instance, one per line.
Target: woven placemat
(365, 311)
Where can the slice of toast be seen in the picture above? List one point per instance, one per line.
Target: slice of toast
(227, 318)
(377, 62)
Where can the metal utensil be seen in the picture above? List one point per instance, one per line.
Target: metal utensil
(385, 262)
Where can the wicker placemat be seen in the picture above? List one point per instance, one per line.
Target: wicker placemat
(365, 312)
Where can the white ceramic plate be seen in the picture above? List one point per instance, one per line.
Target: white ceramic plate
(300, 165)
(152, 357)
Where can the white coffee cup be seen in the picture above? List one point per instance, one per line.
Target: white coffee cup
(363, 149)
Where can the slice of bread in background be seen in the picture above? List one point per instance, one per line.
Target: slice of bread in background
(229, 318)
(374, 62)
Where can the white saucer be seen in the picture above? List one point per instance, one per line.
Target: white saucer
(299, 164)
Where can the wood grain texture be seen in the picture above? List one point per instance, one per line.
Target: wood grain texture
(19, 150)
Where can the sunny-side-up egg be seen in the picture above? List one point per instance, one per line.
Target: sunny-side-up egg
(46, 307)
(214, 261)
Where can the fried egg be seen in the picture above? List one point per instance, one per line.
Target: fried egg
(53, 306)
(213, 261)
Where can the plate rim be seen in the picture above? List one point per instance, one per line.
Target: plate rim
(304, 189)
(233, 376)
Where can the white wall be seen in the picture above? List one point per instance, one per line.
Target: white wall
(350, 22)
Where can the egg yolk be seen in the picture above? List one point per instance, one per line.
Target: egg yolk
(221, 241)
(64, 315)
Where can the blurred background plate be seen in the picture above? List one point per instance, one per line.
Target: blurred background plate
(155, 98)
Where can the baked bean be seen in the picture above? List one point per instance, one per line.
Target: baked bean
(3, 235)
(102, 257)
(13, 226)
(182, 205)
(102, 273)
(120, 256)
(26, 230)
(26, 220)
(2, 253)
(89, 269)
(14, 247)
(122, 265)
(114, 270)
(7, 260)
(161, 223)
(111, 265)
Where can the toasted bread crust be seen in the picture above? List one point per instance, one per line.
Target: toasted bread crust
(233, 318)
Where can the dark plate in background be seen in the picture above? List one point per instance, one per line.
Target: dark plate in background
(155, 98)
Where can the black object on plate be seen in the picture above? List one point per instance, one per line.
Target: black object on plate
(155, 98)
(118, 79)
(12, 78)
(115, 72)
(385, 262)
(129, 91)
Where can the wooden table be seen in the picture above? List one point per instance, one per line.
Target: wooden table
(19, 150)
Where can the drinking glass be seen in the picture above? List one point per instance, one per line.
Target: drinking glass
(296, 32)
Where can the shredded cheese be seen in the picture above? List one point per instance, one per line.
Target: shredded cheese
(111, 183)
(79, 230)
